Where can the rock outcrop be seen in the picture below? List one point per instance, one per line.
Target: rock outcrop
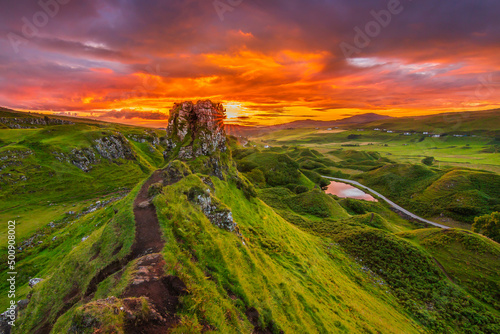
(13, 157)
(34, 281)
(148, 136)
(31, 122)
(113, 148)
(196, 129)
(213, 209)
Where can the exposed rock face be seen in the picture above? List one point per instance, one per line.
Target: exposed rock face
(175, 171)
(112, 148)
(139, 315)
(196, 142)
(27, 122)
(10, 158)
(213, 209)
(196, 129)
(6, 319)
(83, 159)
(147, 137)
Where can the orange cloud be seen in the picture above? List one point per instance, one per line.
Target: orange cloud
(269, 61)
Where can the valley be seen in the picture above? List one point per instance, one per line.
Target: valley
(239, 238)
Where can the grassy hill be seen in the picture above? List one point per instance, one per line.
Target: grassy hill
(247, 242)
(456, 251)
(294, 281)
(374, 236)
(461, 194)
(48, 170)
(57, 174)
(447, 122)
(465, 139)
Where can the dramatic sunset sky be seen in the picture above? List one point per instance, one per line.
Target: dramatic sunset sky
(268, 61)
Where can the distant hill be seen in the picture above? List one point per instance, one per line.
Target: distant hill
(308, 123)
(33, 119)
(485, 120)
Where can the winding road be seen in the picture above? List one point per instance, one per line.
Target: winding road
(391, 203)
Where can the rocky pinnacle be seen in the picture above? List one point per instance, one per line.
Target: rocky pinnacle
(196, 129)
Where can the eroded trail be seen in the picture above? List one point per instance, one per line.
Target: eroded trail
(149, 279)
(147, 228)
(147, 235)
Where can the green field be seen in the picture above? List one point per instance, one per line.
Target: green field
(472, 152)
(305, 261)
(36, 187)
(461, 183)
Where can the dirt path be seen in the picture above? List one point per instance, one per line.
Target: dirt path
(147, 228)
(147, 235)
(149, 281)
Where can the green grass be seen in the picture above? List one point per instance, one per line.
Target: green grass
(65, 263)
(296, 284)
(449, 150)
(314, 203)
(458, 193)
(33, 181)
(307, 261)
(454, 195)
(36, 189)
(411, 274)
(470, 260)
(366, 231)
(448, 122)
(388, 219)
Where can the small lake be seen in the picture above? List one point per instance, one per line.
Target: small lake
(345, 190)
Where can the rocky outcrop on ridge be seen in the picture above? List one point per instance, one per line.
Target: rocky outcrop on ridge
(213, 209)
(112, 148)
(196, 129)
(31, 122)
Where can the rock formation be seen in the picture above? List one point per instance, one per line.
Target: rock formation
(213, 209)
(196, 129)
(112, 147)
(31, 122)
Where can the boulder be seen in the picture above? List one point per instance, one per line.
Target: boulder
(218, 213)
(34, 281)
(144, 204)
